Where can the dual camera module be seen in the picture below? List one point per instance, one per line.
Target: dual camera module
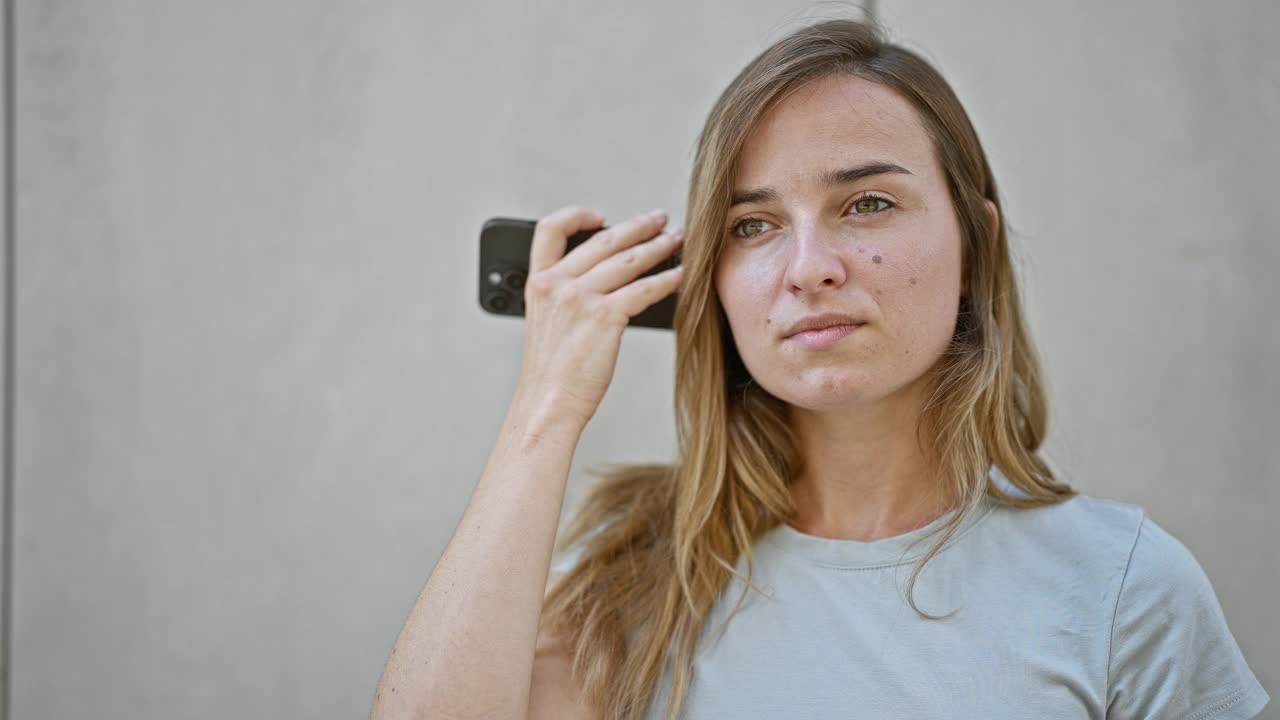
(505, 289)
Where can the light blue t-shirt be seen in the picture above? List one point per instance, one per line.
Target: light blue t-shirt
(1083, 609)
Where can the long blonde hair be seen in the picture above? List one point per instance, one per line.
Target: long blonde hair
(660, 542)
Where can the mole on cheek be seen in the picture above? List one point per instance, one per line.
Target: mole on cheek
(913, 281)
(875, 259)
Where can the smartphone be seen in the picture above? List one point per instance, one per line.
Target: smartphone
(505, 244)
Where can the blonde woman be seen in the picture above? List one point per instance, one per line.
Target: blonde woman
(858, 524)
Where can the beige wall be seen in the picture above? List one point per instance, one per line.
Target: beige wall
(1134, 144)
(254, 388)
(6, 328)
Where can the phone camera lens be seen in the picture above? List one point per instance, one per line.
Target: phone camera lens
(499, 302)
(515, 280)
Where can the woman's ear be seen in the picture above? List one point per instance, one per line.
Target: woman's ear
(993, 215)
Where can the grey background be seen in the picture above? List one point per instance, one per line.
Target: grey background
(252, 389)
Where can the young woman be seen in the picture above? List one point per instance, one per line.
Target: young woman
(858, 523)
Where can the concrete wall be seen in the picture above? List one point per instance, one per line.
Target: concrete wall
(254, 389)
(1134, 144)
(6, 348)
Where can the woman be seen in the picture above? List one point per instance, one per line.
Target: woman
(838, 184)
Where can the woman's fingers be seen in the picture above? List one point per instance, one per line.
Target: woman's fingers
(551, 234)
(627, 265)
(637, 296)
(610, 241)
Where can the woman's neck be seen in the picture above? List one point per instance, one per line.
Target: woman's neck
(865, 475)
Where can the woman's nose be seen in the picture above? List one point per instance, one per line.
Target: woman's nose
(815, 258)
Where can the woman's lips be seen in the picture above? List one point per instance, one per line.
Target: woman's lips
(826, 337)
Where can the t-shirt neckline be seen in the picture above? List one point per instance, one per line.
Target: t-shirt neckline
(893, 550)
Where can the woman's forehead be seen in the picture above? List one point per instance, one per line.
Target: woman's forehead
(829, 124)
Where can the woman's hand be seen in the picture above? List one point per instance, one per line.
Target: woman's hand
(577, 305)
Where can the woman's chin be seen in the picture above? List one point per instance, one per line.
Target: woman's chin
(830, 393)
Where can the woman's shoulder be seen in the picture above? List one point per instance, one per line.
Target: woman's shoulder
(1140, 564)
(1166, 611)
(1090, 523)
(1081, 521)
(1159, 602)
(1085, 540)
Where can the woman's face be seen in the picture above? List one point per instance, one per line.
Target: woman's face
(882, 245)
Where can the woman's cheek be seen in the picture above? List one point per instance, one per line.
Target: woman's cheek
(893, 273)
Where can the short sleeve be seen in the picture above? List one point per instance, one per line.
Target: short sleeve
(1172, 654)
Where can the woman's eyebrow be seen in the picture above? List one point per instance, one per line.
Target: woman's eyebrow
(828, 179)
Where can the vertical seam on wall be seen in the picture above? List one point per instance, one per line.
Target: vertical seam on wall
(6, 444)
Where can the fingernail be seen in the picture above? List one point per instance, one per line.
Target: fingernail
(658, 214)
(678, 235)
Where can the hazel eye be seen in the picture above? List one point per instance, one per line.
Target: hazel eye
(869, 204)
(865, 205)
(736, 227)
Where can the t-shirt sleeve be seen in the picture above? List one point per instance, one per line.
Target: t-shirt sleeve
(1172, 654)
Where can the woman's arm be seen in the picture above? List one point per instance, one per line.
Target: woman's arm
(467, 647)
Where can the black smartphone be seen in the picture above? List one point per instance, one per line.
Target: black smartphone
(505, 244)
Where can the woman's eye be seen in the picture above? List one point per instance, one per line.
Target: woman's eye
(868, 204)
(744, 222)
